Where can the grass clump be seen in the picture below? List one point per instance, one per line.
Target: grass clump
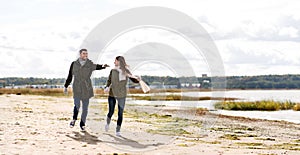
(34, 91)
(63, 119)
(297, 140)
(265, 139)
(296, 107)
(249, 144)
(264, 105)
(171, 131)
(182, 145)
(23, 109)
(230, 137)
(287, 146)
(220, 129)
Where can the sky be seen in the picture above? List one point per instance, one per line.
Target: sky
(40, 38)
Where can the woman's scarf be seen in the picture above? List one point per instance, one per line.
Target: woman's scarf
(122, 76)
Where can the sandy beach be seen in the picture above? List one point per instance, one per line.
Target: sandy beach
(32, 124)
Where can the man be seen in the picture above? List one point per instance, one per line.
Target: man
(82, 70)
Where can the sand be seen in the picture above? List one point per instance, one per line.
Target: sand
(40, 125)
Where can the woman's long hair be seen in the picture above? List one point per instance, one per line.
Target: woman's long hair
(123, 65)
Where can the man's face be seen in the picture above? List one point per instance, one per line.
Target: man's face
(84, 55)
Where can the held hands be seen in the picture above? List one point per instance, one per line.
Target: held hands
(105, 65)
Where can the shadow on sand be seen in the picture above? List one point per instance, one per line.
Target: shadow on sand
(84, 137)
(116, 140)
(121, 140)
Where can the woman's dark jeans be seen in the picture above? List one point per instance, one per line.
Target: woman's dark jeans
(111, 109)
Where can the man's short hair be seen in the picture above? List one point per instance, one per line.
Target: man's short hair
(80, 51)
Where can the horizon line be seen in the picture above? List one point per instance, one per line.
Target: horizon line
(159, 76)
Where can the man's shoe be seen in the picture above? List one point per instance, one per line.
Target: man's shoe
(118, 134)
(72, 123)
(82, 128)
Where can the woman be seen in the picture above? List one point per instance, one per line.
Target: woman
(116, 84)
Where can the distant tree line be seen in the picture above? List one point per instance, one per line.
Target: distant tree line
(31, 81)
(290, 81)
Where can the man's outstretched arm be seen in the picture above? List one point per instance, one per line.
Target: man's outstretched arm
(99, 67)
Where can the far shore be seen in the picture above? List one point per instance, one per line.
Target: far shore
(99, 91)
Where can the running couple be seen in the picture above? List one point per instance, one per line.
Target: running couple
(82, 70)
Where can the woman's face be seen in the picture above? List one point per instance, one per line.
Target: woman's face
(116, 62)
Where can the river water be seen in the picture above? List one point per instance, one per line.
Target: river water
(251, 95)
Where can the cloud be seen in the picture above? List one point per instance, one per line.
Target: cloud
(243, 57)
(253, 37)
(289, 32)
(246, 56)
(36, 64)
(3, 38)
(284, 28)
